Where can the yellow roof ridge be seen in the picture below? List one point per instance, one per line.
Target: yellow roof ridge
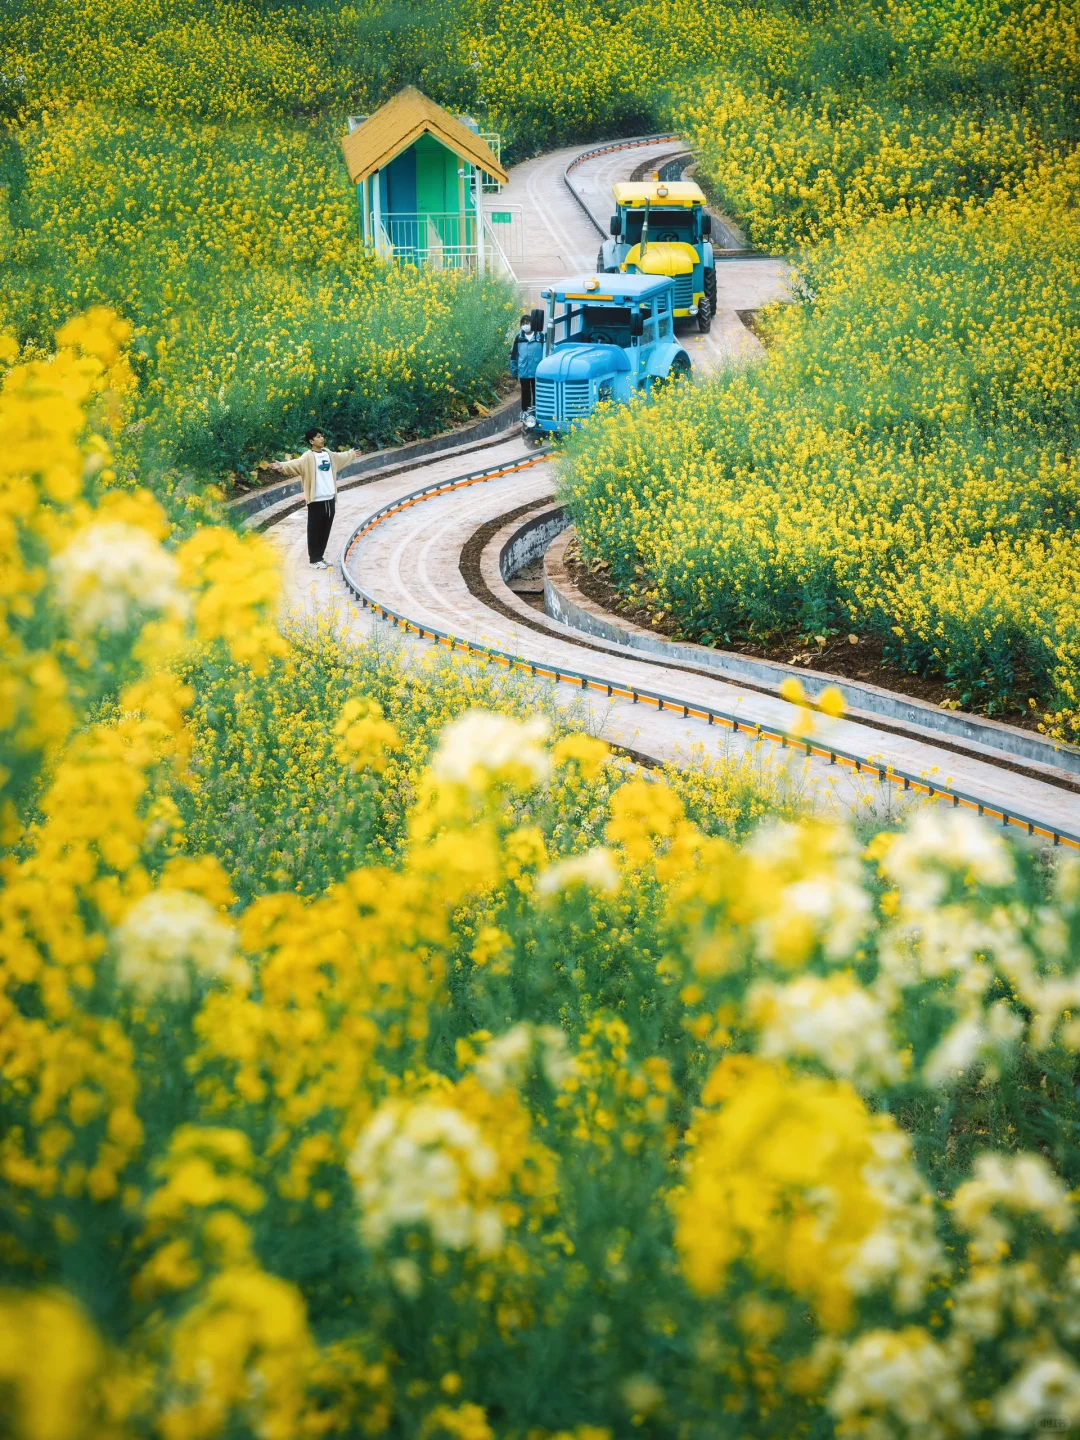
(403, 119)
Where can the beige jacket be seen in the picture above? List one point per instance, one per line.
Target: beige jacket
(304, 466)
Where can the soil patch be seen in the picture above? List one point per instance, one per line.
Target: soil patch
(752, 320)
(469, 565)
(861, 659)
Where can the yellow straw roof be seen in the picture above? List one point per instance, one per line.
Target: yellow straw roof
(399, 122)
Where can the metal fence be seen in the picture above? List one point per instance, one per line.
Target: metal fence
(448, 241)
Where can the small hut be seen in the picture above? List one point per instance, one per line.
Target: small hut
(420, 174)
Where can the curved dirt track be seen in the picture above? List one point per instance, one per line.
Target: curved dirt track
(411, 563)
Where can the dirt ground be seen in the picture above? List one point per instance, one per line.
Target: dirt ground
(850, 658)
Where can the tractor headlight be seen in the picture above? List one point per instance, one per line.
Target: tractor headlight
(528, 419)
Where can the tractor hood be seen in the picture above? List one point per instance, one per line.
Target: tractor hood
(662, 257)
(582, 362)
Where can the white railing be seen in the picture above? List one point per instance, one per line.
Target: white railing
(495, 256)
(507, 222)
(448, 241)
(443, 242)
(384, 246)
(493, 140)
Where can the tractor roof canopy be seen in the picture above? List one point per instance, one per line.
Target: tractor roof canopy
(665, 194)
(612, 289)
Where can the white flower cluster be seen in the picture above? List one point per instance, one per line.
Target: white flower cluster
(479, 745)
(833, 1020)
(112, 572)
(941, 845)
(1023, 1184)
(506, 1058)
(819, 889)
(596, 870)
(1046, 1394)
(168, 935)
(902, 1249)
(966, 940)
(993, 1292)
(977, 1035)
(900, 1383)
(415, 1164)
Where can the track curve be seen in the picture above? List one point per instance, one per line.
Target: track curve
(400, 553)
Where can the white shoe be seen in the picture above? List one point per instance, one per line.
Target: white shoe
(318, 565)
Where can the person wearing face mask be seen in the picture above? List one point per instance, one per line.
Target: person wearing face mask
(525, 355)
(318, 471)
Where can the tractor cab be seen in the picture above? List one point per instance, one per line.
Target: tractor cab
(606, 338)
(663, 228)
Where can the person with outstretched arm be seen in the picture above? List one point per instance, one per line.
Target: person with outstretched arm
(318, 471)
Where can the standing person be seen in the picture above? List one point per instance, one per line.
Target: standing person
(525, 355)
(318, 471)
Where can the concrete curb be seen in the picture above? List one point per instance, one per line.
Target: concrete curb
(566, 603)
(607, 149)
(500, 419)
(850, 743)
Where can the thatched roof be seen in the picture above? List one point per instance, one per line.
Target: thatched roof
(399, 122)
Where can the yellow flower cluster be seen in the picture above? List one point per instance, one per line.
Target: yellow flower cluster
(548, 1069)
(88, 793)
(224, 61)
(799, 173)
(903, 464)
(235, 252)
(810, 128)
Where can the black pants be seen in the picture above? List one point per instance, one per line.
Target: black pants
(320, 516)
(528, 393)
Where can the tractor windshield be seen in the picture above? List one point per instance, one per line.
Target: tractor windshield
(597, 324)
(605, 325)
(663, 225)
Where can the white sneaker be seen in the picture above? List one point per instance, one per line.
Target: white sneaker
(318, 565)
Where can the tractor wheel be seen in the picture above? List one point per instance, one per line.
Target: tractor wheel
(704, 314)
(710, 288)
(680, 369)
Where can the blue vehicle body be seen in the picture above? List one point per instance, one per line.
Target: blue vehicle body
(607, 338)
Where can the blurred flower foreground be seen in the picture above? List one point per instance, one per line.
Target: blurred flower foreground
(559, 1114)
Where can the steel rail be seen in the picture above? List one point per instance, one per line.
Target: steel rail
(583, 680)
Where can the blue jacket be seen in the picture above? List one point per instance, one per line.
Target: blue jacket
(525, 355)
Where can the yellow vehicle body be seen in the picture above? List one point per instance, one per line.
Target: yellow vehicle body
(666, 257)
(674, 194)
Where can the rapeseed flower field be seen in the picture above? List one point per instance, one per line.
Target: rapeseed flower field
(379, 1053)
(903, 464)
(380, 1056)
(190, 177)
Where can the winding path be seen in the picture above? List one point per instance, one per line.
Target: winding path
(410, 563)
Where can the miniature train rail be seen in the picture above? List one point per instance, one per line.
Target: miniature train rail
(658, 699)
